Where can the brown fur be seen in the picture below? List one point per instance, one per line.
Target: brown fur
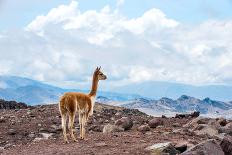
(72, 102)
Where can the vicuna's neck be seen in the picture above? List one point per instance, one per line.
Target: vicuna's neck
(93, 91)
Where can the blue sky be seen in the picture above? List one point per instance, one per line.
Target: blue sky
(15, 14)
(61, 42)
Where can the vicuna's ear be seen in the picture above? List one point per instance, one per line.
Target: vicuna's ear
(98, 68)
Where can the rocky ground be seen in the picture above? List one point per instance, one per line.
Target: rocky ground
(112, 130)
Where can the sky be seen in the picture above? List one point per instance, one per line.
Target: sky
(61, 42)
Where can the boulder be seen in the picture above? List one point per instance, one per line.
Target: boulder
(222, 121)
(125, 123)
(195, 122)
(209, 147)
(155, 122)
(207, 130)
(226, 145)
(181, 146)
(112, 128)
(226, 129)
(144, 128)
(162, 148)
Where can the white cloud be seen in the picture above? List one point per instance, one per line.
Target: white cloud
(149, 47)
(120, 2)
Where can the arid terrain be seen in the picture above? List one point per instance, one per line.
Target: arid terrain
(111, 130)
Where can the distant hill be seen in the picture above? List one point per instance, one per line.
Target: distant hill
(34, 92)
(184, 104)
(158, 90)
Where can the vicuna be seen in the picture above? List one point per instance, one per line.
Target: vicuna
(72, 102)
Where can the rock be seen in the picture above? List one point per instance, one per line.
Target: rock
(96, 128)
(195, 114)
(11, 132)
(124, 123)
(2, 120)
(100, 144)
(192, 115)
(195, 122)
(155, 122)
(7, 146)
(112, 128)
(163, 116)
(162, 148)
(31, 135)
(144, 128)
(46, 135)
(222, 121)
(118, 113)
(226, 129)
(181, 146)
(176, 125)
(209, 147)
(207, 130)
(55, 129)
(37, 139)
(226, 145)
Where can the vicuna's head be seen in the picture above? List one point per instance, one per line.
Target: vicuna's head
(99, 74)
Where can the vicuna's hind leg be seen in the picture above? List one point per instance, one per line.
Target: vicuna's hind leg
(84, 120)
(80, 123)
(71, 122)
(63, 122)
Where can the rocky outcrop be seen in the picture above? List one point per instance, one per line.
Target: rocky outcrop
(192, 115)
(12, 105)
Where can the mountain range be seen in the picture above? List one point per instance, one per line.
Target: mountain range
(159, 89)
(184, 104)
(34, 92)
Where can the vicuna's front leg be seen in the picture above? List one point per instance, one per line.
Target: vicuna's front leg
(71, 122)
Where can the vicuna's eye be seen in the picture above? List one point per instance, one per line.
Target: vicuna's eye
(100, 74)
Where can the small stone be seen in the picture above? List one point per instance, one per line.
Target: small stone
(37, 139)
(46, 135)
(11, 132)
(31, 135)
(100, 144)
